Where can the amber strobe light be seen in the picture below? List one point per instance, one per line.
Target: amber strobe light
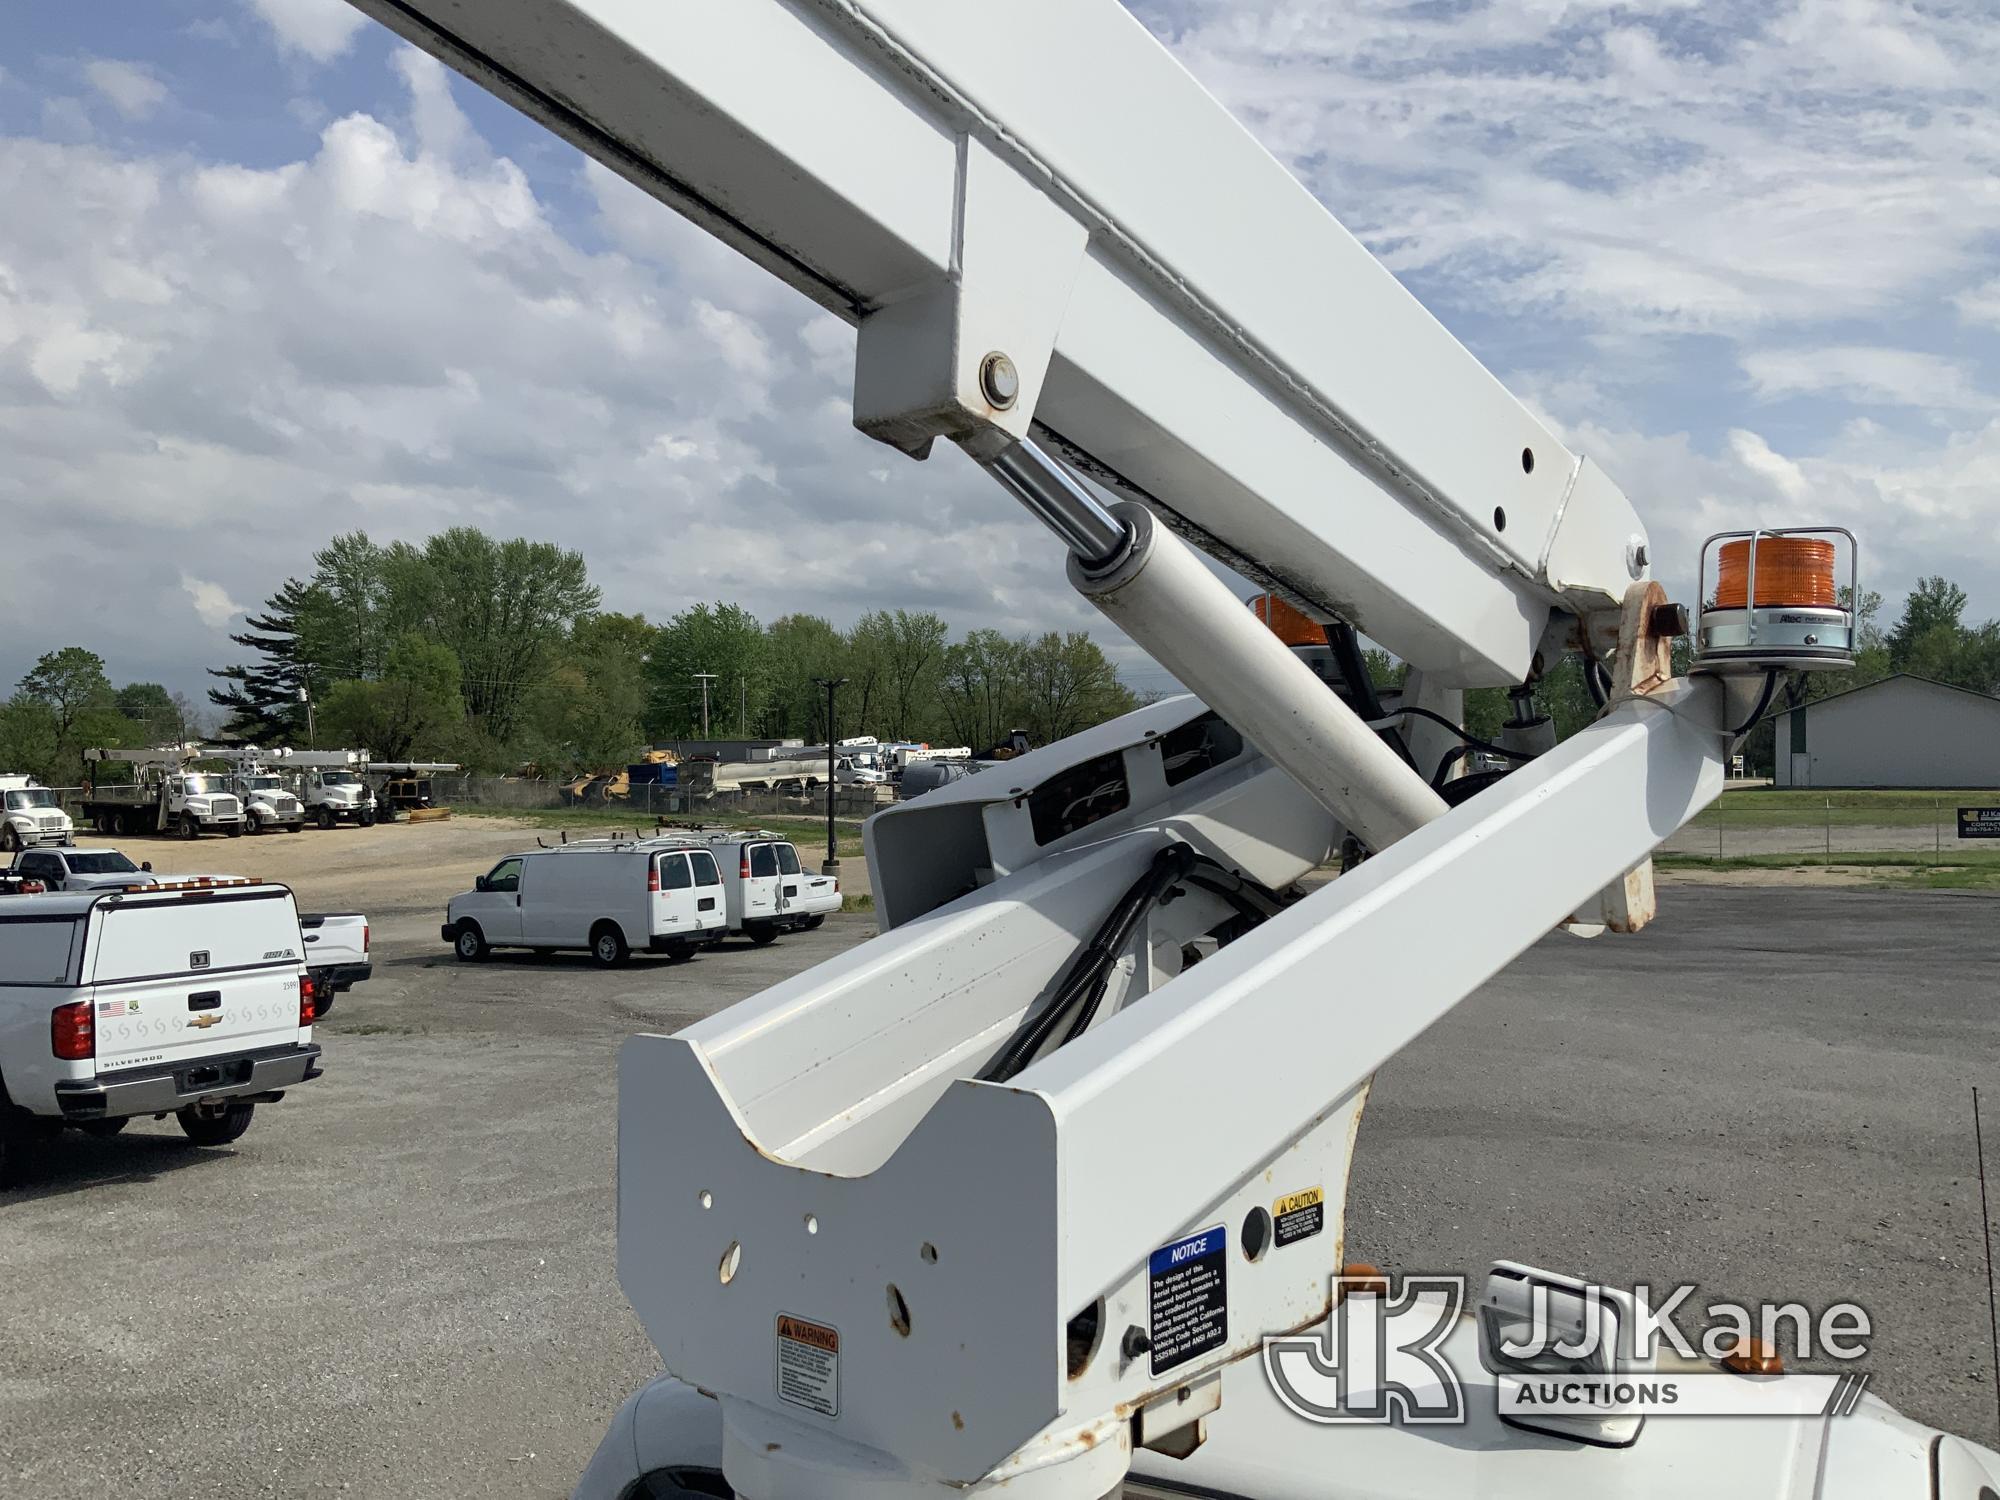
(1288, 623)
(1797, 621)
(1794, 570)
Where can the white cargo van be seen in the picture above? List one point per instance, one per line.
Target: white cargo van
(190, 999)
(767, 889)
(605, 897)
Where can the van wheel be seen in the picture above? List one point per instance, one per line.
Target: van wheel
(470, 944)
(325, 819)
(216, 1124)
(814, 922)
(103, 1130)
(607, 946)
(761, 933)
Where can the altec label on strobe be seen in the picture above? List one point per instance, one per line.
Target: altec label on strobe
(1188, 1283)
(809, 1365)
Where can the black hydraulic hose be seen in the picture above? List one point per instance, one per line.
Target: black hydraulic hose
(1083, 983)
(1353, 666)
(1519, 757)
(1597, 680)
(1446, 761)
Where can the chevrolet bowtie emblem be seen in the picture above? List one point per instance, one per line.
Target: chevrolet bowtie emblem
(202, 1023)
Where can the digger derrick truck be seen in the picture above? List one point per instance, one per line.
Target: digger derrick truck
(1007, 1199)
(255, 778)
(164, 795)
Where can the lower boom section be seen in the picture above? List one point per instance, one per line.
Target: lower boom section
(902, 1276)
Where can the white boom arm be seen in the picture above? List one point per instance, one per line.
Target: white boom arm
(901, 1214)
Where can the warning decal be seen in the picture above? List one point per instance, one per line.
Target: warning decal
(1299, 1216)
(809, 1365)
(1189, 1295)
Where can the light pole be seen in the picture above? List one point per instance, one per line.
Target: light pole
(832, 686)
(704, 678)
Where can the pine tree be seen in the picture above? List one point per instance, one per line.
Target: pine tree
(263, 697)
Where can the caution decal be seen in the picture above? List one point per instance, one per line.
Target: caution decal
(1299, 1216)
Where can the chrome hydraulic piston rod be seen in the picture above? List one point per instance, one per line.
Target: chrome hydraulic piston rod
(1156, 589)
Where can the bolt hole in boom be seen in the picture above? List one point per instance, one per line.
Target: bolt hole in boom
(929, 1253)
(1256, 1236)
(899, 1312)
(1499, 518)
(1085, 1333)
(732, 1258)
(1527, 460)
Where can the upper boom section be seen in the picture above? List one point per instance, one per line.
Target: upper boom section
(1042, 180)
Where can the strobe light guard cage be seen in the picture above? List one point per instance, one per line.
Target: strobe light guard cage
(1768, 631)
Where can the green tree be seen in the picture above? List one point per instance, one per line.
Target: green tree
(345, 628)
(501, 608)
(413, 711)
(584, 715)
(982, 689)
(28, 737)
(262, 696)
(724, 640)
(157, 716)
(1068, 684)
(1935, 604)
(913, 655)
(69, 682)
(803, 649)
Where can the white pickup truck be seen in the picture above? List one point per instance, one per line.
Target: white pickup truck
(336, 954)
(189, 999)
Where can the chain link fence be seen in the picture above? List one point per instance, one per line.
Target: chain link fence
(1824, 829)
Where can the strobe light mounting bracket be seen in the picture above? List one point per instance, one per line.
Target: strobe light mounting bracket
(1764, 631)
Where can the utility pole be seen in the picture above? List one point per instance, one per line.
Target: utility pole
(743, 705)
(305, 697)
(832, 686)
(704, 678)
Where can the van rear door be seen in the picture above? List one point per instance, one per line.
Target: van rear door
(788, 876)
(760, 887)
(673, 895)
(191, 974)
(709, 910)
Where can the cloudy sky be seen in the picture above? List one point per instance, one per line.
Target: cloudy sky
(267, 274)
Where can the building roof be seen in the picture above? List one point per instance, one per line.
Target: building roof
(1880, 681)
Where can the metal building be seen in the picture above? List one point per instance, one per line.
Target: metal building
(1902, 731)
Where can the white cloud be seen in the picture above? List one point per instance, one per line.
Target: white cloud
(224, 365)
(1981, 304)
(319, 29)
(131, 88)
(211, 601)
(1883, 377)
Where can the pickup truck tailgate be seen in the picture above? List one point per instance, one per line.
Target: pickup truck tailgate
(179, 978)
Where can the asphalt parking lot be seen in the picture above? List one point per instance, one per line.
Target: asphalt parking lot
(400, 1281)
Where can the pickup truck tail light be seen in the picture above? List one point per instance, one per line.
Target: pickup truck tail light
(305, 1000)
(364, 937)
(72, 1032)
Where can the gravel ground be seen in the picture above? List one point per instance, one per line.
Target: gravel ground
(400, 1282)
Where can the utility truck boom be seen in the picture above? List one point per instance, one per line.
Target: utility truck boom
(164, 795)
(988, 1204)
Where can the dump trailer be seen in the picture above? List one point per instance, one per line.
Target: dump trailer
(163, 796)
